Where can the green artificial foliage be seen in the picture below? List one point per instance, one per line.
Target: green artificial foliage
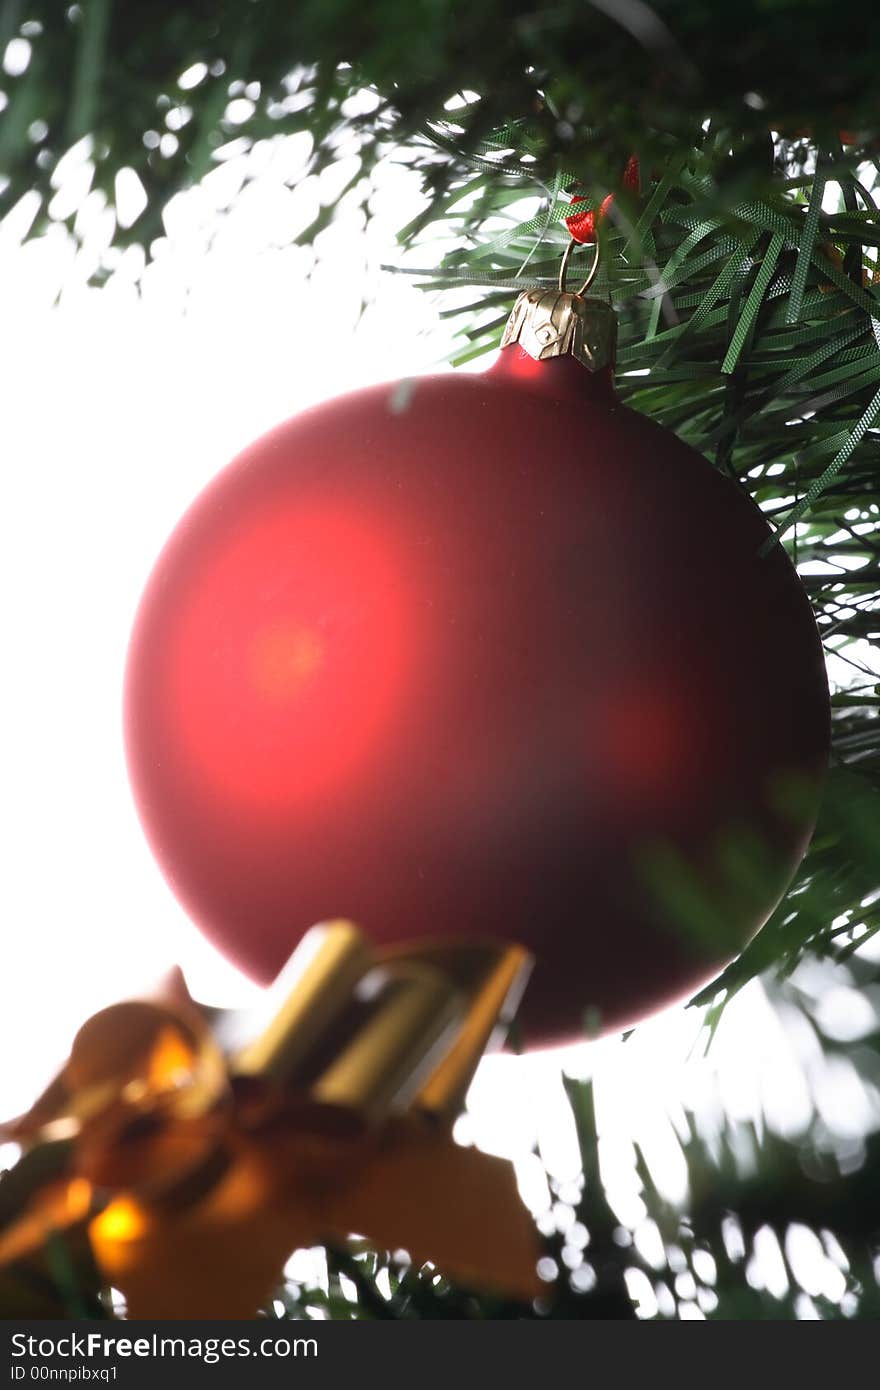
(745, 269)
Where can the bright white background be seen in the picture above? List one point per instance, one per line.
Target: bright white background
(118, 406)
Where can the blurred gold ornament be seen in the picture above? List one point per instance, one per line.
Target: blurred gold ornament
(199, 1148)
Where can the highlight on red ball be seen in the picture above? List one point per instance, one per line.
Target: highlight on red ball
(285, 653)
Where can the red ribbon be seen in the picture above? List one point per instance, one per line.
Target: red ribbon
(582, 226)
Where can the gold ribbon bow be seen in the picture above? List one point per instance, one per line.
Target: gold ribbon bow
(194, 1150)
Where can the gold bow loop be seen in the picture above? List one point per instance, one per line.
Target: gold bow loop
(198, 1147)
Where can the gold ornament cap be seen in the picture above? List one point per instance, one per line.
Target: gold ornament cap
(556, 323)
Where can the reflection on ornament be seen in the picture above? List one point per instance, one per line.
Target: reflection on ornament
(294, 673)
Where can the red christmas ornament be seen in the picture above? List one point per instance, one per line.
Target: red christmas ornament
(475, 658)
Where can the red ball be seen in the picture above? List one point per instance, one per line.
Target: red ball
(494, 655)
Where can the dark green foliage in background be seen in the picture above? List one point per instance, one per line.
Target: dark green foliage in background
(592, 82)
(745, 270)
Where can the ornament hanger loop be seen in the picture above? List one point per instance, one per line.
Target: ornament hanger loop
(563, 269)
